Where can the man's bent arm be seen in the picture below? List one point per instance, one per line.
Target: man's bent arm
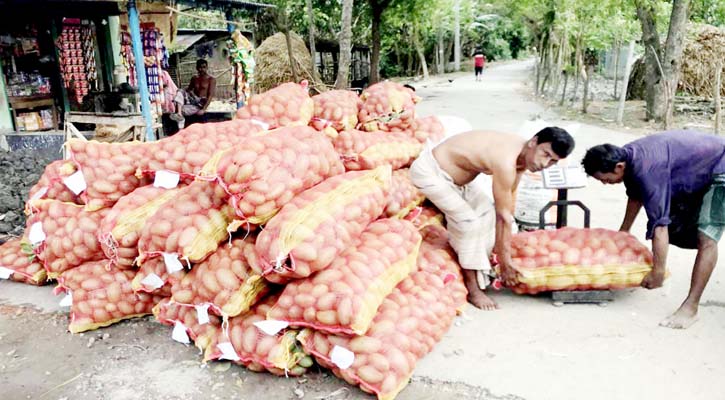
(633, 207)
(660, 242)
(503, 186)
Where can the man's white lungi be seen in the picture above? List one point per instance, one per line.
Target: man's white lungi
(470, 213)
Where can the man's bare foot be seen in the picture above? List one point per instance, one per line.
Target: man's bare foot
(479, 299)
(683, 318)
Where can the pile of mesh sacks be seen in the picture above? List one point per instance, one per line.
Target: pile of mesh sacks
(289, 236)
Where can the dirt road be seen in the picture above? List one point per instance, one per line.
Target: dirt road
(527, 350)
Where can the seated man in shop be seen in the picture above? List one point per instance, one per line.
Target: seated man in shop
(197, 97)
(445, 175)
(679, 178)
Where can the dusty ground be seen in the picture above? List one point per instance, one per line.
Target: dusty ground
(527, 350)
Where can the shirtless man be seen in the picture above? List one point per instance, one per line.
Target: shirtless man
(197, 97)
(445, 175)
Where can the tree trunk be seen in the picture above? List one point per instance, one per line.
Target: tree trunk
(421, 54)
(313, 52)
(563, 93)
(457, 35)
(539, 64)
(343, 69)
(448, 53)
(617, 50)
(625, 82)
(585, 99)
(284, 22)
(577, 66)
(440, 52)
(376, 9)
(662, 66)
(718, 104)
(557, 68)
(672, 63)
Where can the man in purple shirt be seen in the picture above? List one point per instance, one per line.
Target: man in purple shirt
(679, 178)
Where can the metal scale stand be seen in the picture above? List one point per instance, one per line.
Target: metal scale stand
(562, 179)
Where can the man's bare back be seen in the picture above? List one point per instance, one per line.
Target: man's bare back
(466, 155)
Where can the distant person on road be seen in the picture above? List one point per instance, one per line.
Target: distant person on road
(479, 60)
(679, 178)
(445, 174)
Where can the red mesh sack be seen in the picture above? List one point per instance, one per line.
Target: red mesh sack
(266, 172)
(335, 111)
(120, 229)
(112, 170)
(317, 225)
(51, 185)
(578, 259)
(189, 226)
(244, 342)
(387, 106)
(403, 196)
(367, 150)
(409, 322)
(103, 296)
(424, 216)
(63, 235)
(286, 105)
(169, 313)
(18, 263)
(428, 128)
(224, 282)
(346, 295)
(154, 277)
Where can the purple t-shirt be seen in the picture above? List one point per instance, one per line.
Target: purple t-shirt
(671, 165)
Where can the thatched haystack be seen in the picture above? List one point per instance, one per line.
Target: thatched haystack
(273, 66)
(704, 47)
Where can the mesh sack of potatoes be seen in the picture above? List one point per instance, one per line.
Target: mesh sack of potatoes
(19, 264)
(249, 340)
(120, 228)
(286, 105)
(408, 324)
(387, 106)
(403, 196)
(319, 223)
(335, 111)
(367, 150)
(265, 173)
(578, 259)
(102, 295)
(344, 297)
(224, 283)
(63, 235)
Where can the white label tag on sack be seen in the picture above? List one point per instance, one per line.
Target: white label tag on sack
(271, 326)
(67, 301)
(76, 182)
(202, 313)
(179, 333)
(262, 124)
(172, 262)
(39, 194)
(5, 273)
(228, 352)
(166, 179)
(36, 234)
(342, 357)
(152, 281)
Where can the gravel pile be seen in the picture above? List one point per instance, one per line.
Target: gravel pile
(19, 171)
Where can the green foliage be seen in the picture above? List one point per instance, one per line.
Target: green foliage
(708, 12)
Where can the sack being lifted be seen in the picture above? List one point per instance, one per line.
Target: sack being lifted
(578, 259)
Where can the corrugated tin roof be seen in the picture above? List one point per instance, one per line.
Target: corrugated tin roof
(184, 41)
